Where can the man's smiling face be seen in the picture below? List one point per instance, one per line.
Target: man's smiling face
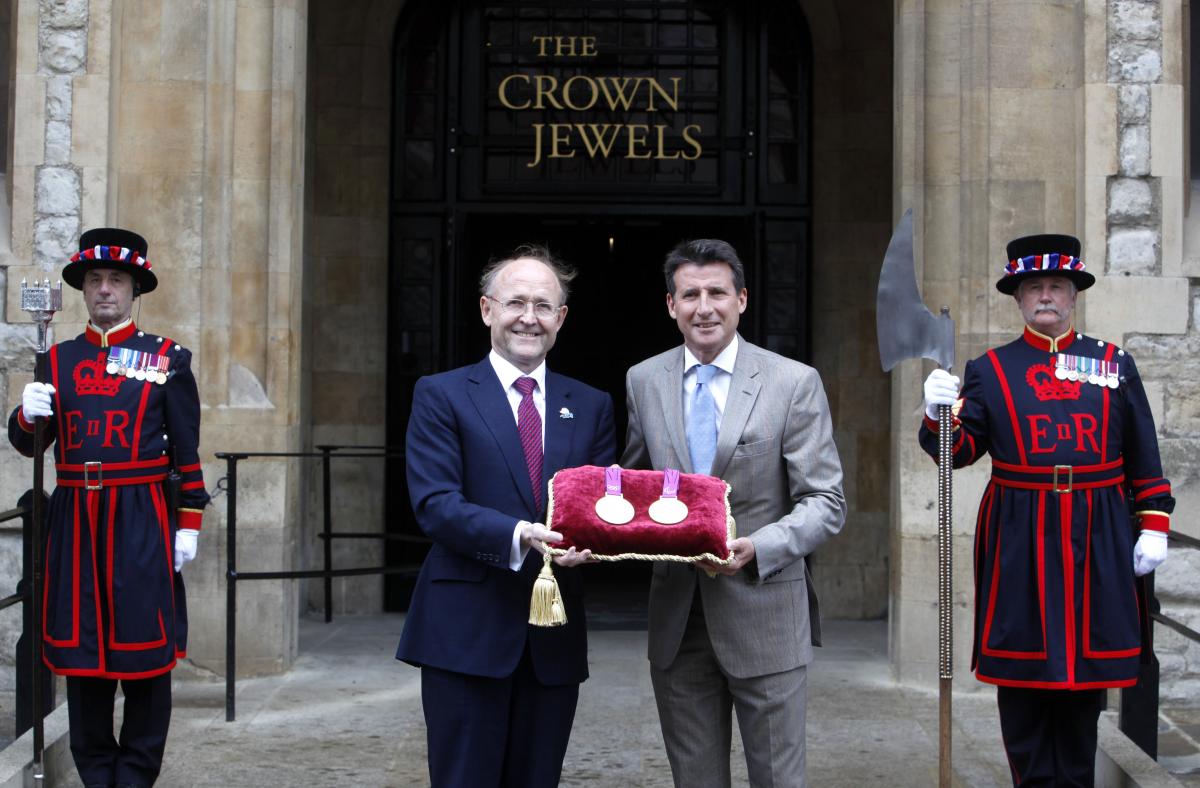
(522, 338)
(706, 307)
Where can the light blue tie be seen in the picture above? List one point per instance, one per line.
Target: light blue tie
(702, 421)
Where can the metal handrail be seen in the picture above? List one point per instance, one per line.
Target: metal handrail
(1178, 626)
(327, 453)
(28, 700)
(13, 514)
(1183, 539)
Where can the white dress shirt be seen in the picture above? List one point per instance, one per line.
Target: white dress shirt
(719, 386)
(508, 375)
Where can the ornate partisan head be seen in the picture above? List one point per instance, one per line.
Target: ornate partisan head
(40, 299)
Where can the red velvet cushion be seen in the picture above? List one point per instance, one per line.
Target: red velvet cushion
(702, 534)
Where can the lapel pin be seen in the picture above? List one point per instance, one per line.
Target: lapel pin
(565, 414)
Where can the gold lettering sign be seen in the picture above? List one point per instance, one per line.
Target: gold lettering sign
(582, 93)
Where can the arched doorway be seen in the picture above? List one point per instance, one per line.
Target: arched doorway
(608, 131)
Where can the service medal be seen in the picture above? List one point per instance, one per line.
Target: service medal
(1060, 366)
(668, 509)
(160, 378)
(111, 368)
(613, 508)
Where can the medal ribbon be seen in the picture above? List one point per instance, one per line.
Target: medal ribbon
(612, 480)
(670, 483)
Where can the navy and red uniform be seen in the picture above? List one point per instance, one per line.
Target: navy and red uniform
(1075, 475)
(114, 607)
(114, 604)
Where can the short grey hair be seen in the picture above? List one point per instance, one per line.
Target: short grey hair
(562, 272)
(704, 251)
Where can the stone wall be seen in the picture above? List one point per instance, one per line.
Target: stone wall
(980, 167)
(852, 170)
(1152, 256)
(178, 119)
(349, 92)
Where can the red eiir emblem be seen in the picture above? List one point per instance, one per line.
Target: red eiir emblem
(90, 378)
(1047, 387)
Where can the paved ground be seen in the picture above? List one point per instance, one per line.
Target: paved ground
(348, 714)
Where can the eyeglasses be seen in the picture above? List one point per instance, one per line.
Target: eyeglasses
(542, 310)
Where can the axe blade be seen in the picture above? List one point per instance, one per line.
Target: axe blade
(904, 325)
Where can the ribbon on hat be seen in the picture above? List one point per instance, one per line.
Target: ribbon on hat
(120, 253)
(1044, 262)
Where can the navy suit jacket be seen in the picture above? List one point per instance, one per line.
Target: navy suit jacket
(469, 486)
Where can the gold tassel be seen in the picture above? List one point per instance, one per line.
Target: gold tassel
(546, 608)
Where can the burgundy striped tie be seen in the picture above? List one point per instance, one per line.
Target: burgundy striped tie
(529, 425)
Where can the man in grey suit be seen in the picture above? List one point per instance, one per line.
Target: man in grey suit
(738, 636)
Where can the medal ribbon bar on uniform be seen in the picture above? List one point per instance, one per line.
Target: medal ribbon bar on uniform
(137, 364)
(1083, 369)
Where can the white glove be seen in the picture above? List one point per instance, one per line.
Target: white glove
(941, 388)
(1149, 552)
(35, 401)
(185, 546)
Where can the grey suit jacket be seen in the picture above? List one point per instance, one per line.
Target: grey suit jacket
(775, 448)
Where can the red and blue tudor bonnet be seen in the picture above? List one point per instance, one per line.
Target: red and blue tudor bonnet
(1043, 255)
(114, 248)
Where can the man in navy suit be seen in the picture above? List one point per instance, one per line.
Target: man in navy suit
(483, 441)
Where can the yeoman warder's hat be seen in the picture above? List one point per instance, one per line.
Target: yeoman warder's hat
(111, 247)
(1043, 255)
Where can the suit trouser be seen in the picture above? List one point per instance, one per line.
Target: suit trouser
(137, 757)
(1050, 735)
(695, 698)
(483, 732)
